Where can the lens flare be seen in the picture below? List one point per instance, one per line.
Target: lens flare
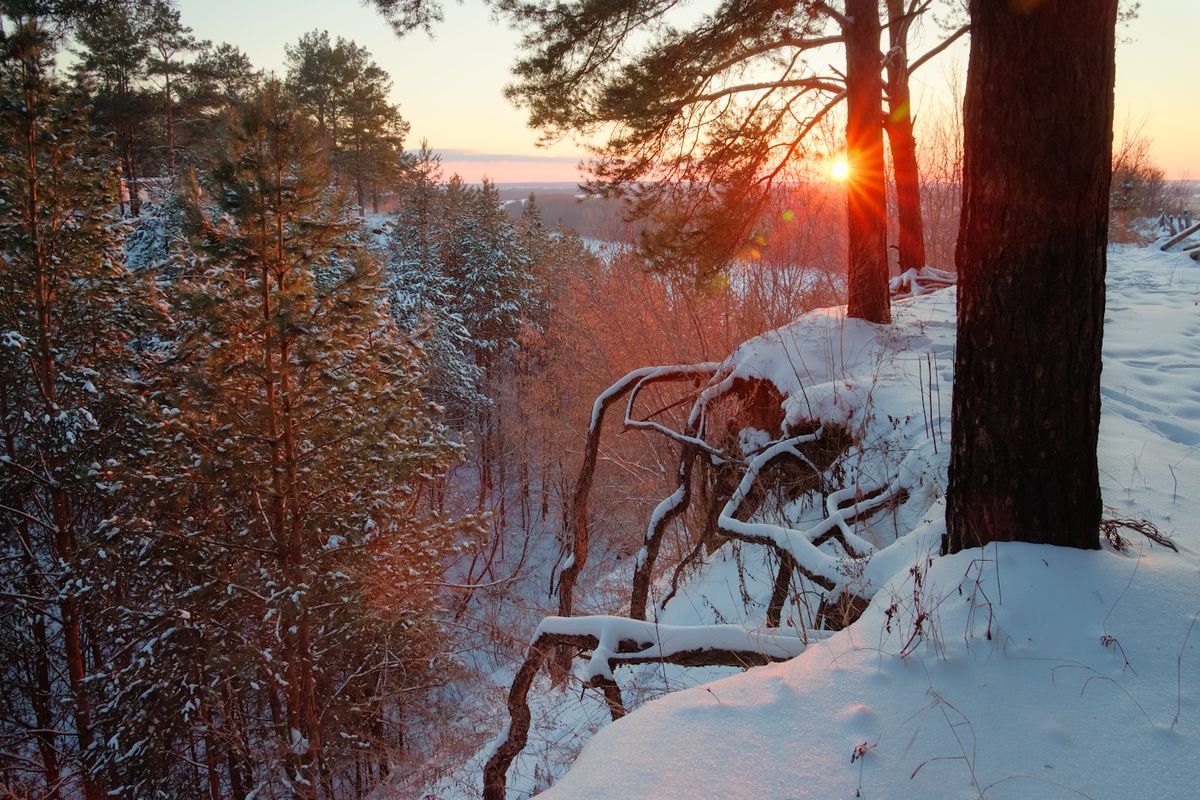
(840, 169)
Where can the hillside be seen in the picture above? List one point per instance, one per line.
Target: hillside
(1018, 671)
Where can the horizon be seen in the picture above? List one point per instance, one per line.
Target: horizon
(471, 54)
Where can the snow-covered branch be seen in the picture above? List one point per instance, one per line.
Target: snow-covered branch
(913, 282)
(802, 546)
(577, 523)
(613, 641)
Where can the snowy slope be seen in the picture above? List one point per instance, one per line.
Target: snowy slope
(1019, 671)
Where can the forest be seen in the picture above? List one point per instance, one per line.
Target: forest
(331, 474)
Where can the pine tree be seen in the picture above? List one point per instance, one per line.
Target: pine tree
(373, 143)
(421, 294)
(113, 57)
(76, 427)
(169, 40)
(220, 77)
(305, 580)
(490, 270)
(1031, 260)
(339, 85)
(704, 120)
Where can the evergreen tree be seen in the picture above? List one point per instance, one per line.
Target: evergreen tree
(490, 270)
(1031, 260)
(218, 79)
(221, 75)
(703, 119)
(114, 58)
(77, 430)
(304, 582)
(345, 92)
(373, 144)
(421, 294)
(169, 39)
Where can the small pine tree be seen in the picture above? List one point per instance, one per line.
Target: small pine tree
(113, 59)
(169, 40)
(491, 272)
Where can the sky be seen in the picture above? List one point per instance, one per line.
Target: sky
(450, 87)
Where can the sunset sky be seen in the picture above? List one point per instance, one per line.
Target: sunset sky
(450, 87)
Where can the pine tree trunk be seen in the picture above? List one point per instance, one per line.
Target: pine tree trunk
(63, 544)
(170, 129)
(1031, 262)
(234, 734)
(41, 697)
(135, 200)
(301, 694)
(866, 191)
(903, 143)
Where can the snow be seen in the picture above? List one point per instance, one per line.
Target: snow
(1010, 672)
(640, 377)
(656, 640)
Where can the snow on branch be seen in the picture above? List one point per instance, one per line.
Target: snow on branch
(619, 640)
(677, 502)
(802, 546)
(1179, 237)
(642, 376)
(577, 522)
(613, 641)
(913, 282)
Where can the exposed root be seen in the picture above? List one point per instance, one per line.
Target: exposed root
(614, 641)
(577, 523)
(779, 589)
(914, 282)
(664, 513)
(677, 502)
(1111, 527)
(818, 566)
(836, 613)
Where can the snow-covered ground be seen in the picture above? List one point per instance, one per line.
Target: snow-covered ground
(1017, 671)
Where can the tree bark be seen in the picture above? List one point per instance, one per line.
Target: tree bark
(127, 145)
(903, 144)
(170, 128)
(1031, 261)
(866, 191)
(64, 545)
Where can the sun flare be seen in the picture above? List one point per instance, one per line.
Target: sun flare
(840, 169)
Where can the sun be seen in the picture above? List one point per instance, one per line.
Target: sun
(840, 169)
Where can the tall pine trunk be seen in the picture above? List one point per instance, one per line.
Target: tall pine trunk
(63, 542)
(127, 160)
(866, 191)
(1031, 261)
(301, 694)
(903, 143)
(41, 696)
(170, 128)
